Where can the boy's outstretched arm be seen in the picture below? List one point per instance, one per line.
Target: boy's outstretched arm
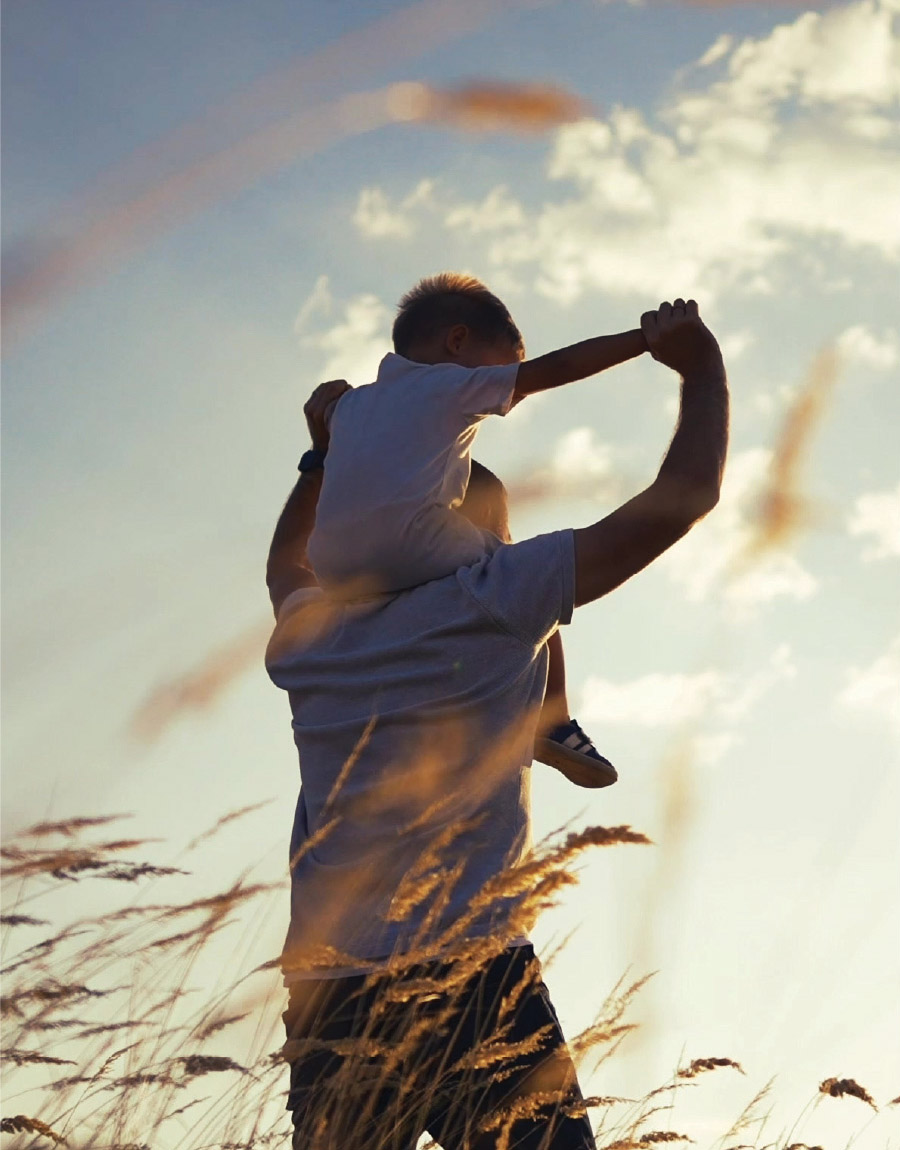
(287, 569)
(577, 361)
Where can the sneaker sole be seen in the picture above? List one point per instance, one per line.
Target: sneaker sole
(582, 770)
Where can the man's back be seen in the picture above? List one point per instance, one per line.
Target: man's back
(420, 708)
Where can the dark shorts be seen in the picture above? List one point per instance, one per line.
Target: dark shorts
(477, 1060)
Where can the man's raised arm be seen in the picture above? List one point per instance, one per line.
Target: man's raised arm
(287, 568)
(690, 477)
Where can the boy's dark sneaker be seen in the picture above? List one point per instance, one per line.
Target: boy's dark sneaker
(569, 750)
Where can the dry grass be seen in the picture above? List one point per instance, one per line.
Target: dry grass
(783, 509)
(106, 1044)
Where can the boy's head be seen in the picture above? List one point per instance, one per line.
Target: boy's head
(453, 318)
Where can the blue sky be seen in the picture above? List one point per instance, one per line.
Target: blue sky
(152, 422)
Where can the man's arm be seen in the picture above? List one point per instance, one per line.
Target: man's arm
(287, 569)
(690, 476)
(577, 362)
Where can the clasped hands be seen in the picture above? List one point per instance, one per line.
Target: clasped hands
(677, 337)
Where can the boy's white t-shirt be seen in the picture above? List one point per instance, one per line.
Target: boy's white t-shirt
(400, 447)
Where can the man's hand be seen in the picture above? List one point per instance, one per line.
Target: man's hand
(678, 337)
(318, 410)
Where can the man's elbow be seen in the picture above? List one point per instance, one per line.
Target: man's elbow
(684, 502)
(705, 500)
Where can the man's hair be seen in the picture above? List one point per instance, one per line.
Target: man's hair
(486, 503)
(438, 302)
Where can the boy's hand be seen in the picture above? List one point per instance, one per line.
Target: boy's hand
(318, 409)
(678, 337)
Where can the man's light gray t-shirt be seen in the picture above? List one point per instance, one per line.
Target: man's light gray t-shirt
(424, 703)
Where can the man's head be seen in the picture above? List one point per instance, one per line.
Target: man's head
(485, 503)
(453, 318)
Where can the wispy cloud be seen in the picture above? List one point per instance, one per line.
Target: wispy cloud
(875, 689)
(706, 560)
(796, 140)
(681, 699)
(353, 343)
(860, 344)
(376, 218)
(255, 133)
(876, 515)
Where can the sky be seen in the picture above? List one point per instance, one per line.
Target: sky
(235, 226)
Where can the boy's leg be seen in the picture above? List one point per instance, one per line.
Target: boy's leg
(556, 704)
(561, 743)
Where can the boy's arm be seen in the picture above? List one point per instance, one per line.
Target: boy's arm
(577, 362)
(287, 569)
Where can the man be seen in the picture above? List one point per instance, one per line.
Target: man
(416, 1001)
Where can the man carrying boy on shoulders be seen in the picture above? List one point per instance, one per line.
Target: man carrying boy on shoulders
(416, 710)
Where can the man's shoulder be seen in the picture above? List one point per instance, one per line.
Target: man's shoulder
(523, 589)
(527, 588)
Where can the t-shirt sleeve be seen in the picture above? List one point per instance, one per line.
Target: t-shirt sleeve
(527, 588)
(480, 391)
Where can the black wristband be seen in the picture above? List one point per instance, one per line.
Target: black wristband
(311, 460)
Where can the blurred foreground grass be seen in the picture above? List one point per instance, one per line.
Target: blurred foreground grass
(132, 1020)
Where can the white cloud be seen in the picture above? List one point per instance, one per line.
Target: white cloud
(580, 468)
(496, 212)
(735, 343)
(707, 558)
(775, 575)
(877, 513)
(719, 48)
(860, 344)
(876, 688)
(578, 455)
(353, 346)
(797, 139)
(376, 218)
(665, 700)
(653, 700)
(745, 693)
(319, 302)
(707, 750)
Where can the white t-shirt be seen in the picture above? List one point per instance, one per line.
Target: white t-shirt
(399, 450)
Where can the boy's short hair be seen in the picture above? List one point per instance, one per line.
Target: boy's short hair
(438, 302)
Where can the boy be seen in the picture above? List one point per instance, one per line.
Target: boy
(399, 464)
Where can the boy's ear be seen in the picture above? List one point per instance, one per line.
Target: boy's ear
(456, 338)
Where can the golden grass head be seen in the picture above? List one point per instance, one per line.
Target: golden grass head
(839, 1087)
(699, 1065)
(21, 1124)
